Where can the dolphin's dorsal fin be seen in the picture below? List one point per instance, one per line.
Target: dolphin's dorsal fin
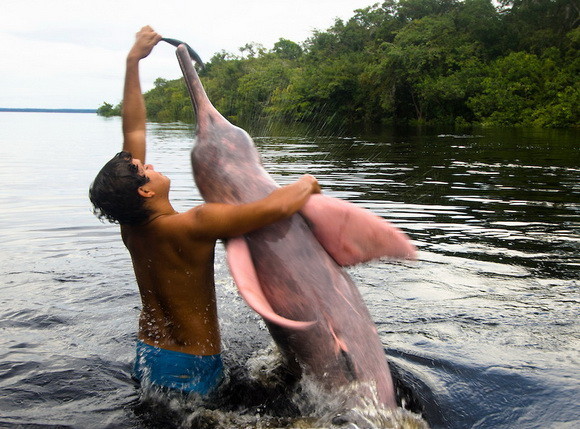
(246, 279)
(351, 234)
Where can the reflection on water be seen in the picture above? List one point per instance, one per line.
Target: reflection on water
(516, 201)
(481, 331)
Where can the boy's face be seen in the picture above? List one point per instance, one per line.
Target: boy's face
(157, 181)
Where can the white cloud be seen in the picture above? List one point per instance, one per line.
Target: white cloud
(70, 53)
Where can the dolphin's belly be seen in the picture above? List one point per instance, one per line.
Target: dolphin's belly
(302, 282)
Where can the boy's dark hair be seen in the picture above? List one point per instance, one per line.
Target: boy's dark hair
(114, 192)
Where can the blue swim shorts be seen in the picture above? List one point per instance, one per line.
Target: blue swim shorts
(176, 370)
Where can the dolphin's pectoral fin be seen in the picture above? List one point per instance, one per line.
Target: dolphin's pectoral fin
(351, 234)
(246, 279)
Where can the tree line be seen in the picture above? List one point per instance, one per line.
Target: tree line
(454, 62)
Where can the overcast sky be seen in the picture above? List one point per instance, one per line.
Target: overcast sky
(71, 53)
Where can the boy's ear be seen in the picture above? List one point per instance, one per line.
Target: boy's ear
(145, 192)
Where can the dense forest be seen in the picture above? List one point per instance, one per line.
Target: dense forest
(454, 62)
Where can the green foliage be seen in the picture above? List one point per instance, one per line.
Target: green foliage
(407, 61)
(524, 89)
(535, 25)
(410, 10)
(168, 101)
(107, 110)
(287, 49)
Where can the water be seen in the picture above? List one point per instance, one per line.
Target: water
(481, 331)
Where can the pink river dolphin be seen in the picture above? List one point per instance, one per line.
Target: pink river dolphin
(291, 272)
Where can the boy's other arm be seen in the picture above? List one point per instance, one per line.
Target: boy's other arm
(134, 113)
(215, 221)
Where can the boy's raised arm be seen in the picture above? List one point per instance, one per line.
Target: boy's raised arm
(134, 113)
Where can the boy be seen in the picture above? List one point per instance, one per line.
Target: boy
(178, 343)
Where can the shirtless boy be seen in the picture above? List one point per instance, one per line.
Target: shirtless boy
(178, 344)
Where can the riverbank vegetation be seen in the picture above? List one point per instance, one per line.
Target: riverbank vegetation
(453, 62)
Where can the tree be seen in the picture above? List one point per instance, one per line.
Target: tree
(251, 50)
(430, 69)
(169, 101)
(108, 110)
(480, 22)
(255, 88)
(409, 10)
(423, 61)
(534, 25)
(287, 49)
(524, 89)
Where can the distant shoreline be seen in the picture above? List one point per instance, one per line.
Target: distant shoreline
(32, 109)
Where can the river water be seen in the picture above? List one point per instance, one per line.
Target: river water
(481, 331)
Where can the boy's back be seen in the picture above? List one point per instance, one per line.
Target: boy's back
(174, 271)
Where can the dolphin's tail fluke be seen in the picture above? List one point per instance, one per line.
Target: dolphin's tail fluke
(191, 52)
